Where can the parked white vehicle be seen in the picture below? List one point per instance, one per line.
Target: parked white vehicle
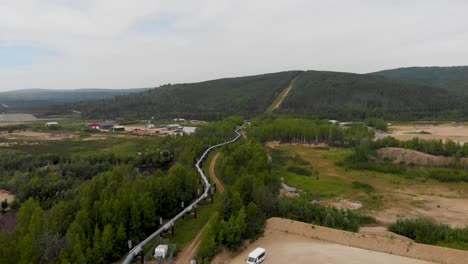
(257, 256)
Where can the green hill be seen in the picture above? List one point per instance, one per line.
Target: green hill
(248, 96)
(356, 96)
(453, 79)
(321, 94)
(44, 97)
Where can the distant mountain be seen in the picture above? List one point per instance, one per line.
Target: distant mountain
(248, 96)
(453, 79)
(45, 97)
(358, 96)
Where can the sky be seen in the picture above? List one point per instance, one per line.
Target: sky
(69, 44)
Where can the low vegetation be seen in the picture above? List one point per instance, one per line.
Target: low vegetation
(429, 232)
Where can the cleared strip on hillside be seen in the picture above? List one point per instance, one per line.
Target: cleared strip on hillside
(280, 97)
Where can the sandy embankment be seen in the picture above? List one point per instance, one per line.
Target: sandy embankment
(288, 241)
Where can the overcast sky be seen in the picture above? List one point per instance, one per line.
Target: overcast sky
(65, 44)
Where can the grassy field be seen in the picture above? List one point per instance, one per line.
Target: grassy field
(383, 195)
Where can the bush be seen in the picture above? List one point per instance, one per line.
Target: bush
(429, 232)
(299, 171)
(364, 186)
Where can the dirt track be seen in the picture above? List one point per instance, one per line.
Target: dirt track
(188, 253)
(288, 241)
(213, 176)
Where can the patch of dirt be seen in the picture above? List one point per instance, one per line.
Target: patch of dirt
(4, 194)
(288, 241)
(8, 221)
(382, 232)
(408, 156)
(39, 135)
(345, 204)
(456, 132)
(451, 210)
(276, 144)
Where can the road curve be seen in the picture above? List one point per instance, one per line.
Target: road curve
(138, 248)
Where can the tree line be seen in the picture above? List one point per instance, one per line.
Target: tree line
(302, 130)
(449, 148)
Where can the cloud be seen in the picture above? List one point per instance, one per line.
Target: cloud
(124, 43)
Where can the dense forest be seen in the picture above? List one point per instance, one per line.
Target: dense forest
(42, 97)
(453, 79)
(318, 94)
(346, 96)
(248, 96)
(81, 205)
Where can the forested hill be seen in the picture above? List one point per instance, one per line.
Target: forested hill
(453, 79)
(44, 97)
(356, 96)
(248, 96)
(315, 93)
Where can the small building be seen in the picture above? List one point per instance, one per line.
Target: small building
(189, 130)
(172, 126)
(118, 129)
(346, 124)
(51, 124)
(334, 122)
(107, 126)
(95, 126)
(179, 119)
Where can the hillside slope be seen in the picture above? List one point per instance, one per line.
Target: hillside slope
(453, 79)
(248, 96)
(356, 96)
(44, 97)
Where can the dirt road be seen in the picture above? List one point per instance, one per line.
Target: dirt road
(219, 184)
(188, 253)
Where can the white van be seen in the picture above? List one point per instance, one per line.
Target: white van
(257, 256)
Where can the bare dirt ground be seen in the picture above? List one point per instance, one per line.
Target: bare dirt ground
(7, 219)
(439, 203)
(456, 132)
(6, 195)
(39, 135)
(276, 144)
(408, 156)
(288, 241)
(188, 253)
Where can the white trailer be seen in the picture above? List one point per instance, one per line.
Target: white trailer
(161, 251)
(257, 256)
